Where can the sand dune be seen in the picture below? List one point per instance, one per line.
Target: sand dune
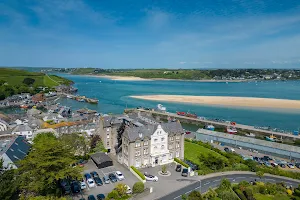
(226, 101)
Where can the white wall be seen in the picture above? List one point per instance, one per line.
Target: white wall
(159, 146)
(3, 126)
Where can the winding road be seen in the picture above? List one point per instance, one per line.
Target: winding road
(212, 182)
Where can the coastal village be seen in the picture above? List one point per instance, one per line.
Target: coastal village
(147, 146)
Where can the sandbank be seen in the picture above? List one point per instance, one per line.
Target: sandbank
(226, 101)
(121, 78)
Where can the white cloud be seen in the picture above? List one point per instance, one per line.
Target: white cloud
(182, 62)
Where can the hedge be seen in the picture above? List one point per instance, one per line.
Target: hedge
(240, 194)
(181, 162)
(138, 172)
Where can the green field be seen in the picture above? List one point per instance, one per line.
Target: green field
(15, 77)
(193, 151)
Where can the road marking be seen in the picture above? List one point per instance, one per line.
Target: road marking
(206, 183)
(178, 197)
(188, 191)
(216, 180)
(197, 187)
(239, 177)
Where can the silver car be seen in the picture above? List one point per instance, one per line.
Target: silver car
(106, 180)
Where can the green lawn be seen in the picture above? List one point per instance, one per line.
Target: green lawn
(258, 196)
(193, 151)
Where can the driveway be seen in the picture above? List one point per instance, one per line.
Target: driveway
(166, 184)
(130, 179)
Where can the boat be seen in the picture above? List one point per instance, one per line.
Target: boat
(180, 113)
(231, 130)
(160, 107)
(191, 115)
(250, 135)
(272, 138)
(23, 106)
(209, 127)
(94, 101)
(68, 96)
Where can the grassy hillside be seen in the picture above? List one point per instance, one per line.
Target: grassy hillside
(15, 77)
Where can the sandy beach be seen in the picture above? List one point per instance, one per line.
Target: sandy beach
(226, 101)
(121, 78)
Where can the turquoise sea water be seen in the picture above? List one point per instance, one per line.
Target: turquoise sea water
(114, 98)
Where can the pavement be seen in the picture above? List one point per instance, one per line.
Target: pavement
(212, 181)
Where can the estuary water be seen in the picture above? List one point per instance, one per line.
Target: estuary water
(114, 98)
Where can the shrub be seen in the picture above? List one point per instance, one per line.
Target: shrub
(249, 194)
(164, 169)
(28, 81)
(138, 187)
(138, 172)
(262, 189)
(289, 191)
(240, 194)
(113, 195)
(181, 162)
(195, 195)
(297, 192)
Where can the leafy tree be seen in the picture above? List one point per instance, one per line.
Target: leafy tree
(94, 141)
(28, 81)
(249, 194)
(2, 82)
(121, 188)
(8, 90)
(164, 169)
(195, 195)
(42, 198)
(228, 195)
(240, 194)
(184, 197)
(48, 162)
(8, 184)
(138, 187)
(75, 142)
(225, 184)
(260, 174)
(212, 161)
(210, 194)
(113, 195)
(99, 147)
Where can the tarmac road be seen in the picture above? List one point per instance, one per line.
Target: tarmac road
(213, 182)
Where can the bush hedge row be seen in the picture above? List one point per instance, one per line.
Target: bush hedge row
(181, 162)
(138, 172)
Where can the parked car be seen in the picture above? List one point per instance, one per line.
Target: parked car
(129, 191)
(291, 165)
(178, 168)
(90, 182)
(185, 172)
(112, 177)
(226, 149)
(274, 164)
(256, 158)
(91, 197)
(119, 175)
(82, 185)
(266, 163)
(150, 177)
(75, 187)
(94, 174)
(106, 180)
(65, 185)
(100, 197)
(281, 165)
(297, 165)
(98, 181)
(87, 176)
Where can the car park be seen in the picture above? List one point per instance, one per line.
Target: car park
(94, 174)
(178, 168)
(112, 177)
(91, 197)
(106, 180)
(98, 181)
(87, 176)
(150, 177)
(184, 172)
(291, 165)
(119, 175)
(75, 187)
(90, 182)
(100, 197)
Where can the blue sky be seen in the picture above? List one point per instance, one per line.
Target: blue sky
(150, 33)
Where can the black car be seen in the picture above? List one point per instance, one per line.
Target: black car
(257, 159)
(94, 174)
(184, 172)
(98, 181)
(226, 149)
(100, 196)
(281, 165)
(112, 178)
(75, 187)
(178, 168)
(91, 197)
(297, 165)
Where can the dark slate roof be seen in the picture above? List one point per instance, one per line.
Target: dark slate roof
(100, 157)
(18, 149)
(133, 133)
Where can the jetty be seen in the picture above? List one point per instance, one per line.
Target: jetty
(202, 122)
(80, 98)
